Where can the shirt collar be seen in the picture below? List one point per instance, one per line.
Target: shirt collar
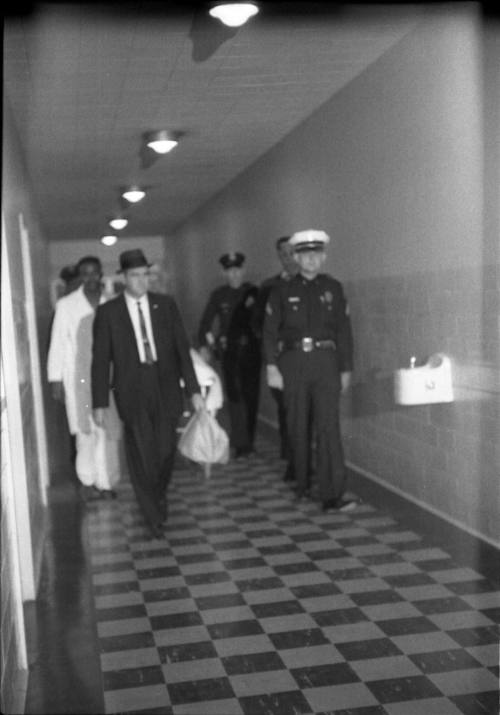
(131, 301)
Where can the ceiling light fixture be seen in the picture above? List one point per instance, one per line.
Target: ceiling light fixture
(133, 194)
(118, 223)
(109, 240)
(162, 142)
(234, 14)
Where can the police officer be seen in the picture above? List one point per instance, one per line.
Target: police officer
(289, 268)
(308, 351)
(226, 331)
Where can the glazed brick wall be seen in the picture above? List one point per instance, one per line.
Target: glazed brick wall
(447, 454)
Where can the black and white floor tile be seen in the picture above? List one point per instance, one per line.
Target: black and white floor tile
(255, 604)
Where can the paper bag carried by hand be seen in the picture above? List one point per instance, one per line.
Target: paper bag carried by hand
(204, 440)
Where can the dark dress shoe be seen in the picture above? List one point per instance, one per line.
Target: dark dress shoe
(156, 531)
(89, 493)
(342, 505)
(301, 494)
(289, 476)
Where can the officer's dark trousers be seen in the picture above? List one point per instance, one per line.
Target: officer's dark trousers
(241, 371)
(312, 392)
(280, 404)
(150, 444)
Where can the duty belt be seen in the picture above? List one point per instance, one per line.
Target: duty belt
(307, 345)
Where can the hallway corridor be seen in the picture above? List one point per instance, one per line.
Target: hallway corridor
(255, 604)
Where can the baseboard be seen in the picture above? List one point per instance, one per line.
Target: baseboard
(273, 425)
(423, 505)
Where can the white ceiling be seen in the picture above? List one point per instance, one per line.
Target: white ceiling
(85, 82)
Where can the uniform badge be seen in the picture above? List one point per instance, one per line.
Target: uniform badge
(328, 296)
(249, 301)
(269, 310)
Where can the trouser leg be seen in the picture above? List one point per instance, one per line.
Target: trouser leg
(150, 448)
(85, 458)
(280, 404)
(250, 384)
(106, 459)
(239, 437)
(297, 405)
(330, 466)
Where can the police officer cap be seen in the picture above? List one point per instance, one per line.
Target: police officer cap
(309, 240)
(231, 260)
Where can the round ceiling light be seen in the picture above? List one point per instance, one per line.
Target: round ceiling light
(118, 223)
(109, 240)
(133, 194)
(234, 14)
(162, 142)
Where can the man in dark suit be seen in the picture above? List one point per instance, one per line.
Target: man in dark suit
(140, 348)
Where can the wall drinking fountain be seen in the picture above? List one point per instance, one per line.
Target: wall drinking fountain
(426, 384)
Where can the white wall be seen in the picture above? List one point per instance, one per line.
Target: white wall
(394, 167)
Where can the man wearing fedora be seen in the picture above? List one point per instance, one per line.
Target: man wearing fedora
(141, 350)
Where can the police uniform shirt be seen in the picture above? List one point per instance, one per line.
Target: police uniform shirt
(263, 296)
(301, 308)
(223, 303)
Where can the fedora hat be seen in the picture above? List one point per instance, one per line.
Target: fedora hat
(134, 258)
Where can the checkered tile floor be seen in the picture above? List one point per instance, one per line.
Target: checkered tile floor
(254, 604)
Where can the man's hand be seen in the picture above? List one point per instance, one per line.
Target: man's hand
(205, 353)
(198, 402)
(57, 390)
(274, 377)
(99, 416)
(345, 381)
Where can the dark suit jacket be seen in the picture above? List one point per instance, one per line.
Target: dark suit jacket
(115, 358)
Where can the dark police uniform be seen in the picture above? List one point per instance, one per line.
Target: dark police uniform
(307, 334)
(265, 290)
(228, 316)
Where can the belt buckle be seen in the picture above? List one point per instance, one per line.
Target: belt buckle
(307, 344)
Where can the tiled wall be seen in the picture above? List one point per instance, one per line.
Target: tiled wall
(401, 168)
(447, 454)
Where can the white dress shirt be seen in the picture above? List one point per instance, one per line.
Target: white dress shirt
(134, 317)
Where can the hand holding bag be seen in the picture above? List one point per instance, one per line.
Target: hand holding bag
(204, 440)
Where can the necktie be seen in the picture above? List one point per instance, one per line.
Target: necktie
(145, 340)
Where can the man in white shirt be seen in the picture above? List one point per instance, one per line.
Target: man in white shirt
(141, 350)
(68, 371)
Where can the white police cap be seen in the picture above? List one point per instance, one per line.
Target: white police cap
(309, 240)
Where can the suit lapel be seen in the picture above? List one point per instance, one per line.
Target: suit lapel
(154, 312)
(126, 321)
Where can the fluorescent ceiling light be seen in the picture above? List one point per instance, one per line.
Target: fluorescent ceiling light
(133, 194)
(118, 223)
(109, 240)
(234, 14)
(162, 142)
